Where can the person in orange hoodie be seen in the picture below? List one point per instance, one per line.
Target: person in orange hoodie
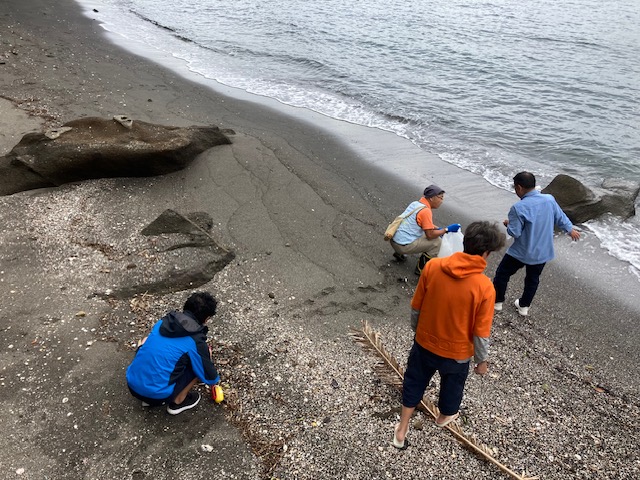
(452, 313)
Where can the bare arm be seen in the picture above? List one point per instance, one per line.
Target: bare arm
(435, 233)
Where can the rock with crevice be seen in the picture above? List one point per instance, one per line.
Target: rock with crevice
(582, 203)
(170, 221)
(181, 255)
(93, 147)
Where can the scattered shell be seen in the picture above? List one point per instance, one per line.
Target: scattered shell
(124, 121)
(56, 132)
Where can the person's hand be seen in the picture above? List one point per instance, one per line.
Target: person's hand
(506, 223)
(575, 235)
(454, 227)
(481, 368)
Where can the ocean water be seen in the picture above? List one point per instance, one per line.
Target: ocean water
(494, 87)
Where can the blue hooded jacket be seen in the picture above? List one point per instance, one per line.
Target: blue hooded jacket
(177, 343)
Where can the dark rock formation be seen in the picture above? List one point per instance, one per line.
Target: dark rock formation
(185, 256)
(619, 197)
(580, 203)
(100, 148)
(170, 221)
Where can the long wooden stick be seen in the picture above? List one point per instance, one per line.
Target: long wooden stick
(391, 372)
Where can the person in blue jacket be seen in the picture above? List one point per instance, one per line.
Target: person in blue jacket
(174, 357)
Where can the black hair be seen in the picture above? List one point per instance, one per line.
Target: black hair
(525, 180)
(202, 305)
(481, 237)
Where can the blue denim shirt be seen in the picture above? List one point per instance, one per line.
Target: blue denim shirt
(531, 224)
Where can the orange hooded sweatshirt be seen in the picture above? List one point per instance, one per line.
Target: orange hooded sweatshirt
(455, 300)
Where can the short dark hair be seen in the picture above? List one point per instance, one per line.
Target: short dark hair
(525, 180)
(202, 305)
(481, 237)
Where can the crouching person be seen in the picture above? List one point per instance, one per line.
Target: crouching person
(452, 313)
(174, 357)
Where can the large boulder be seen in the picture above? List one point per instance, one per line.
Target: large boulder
(180, 254)
(581, 203)
(619, 197)
(93, 147)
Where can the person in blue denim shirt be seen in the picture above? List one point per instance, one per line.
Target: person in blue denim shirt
(531, 223)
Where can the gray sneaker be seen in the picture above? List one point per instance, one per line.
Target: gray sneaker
(400, 258)
(191, 401)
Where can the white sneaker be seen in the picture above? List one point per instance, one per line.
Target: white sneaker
(524, 311)
(497, 307)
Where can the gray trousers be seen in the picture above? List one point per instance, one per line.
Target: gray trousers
(420, 245)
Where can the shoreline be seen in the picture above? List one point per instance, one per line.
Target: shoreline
(376, 146)
(412, 168)
(305, 215)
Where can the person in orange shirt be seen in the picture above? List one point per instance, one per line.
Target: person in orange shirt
(417, 233)
(452, 313)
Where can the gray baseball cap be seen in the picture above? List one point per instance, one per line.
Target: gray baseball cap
(432, 191)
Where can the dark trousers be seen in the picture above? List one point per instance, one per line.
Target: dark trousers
(421, 366)
(181, 383)
(508, 266)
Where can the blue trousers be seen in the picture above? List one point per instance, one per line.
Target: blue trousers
(508, 266)
(421, 366)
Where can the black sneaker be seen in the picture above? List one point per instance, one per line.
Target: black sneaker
(191, 401)
(422, 261)
(399, 257)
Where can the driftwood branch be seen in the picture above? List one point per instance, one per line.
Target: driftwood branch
(391, 373)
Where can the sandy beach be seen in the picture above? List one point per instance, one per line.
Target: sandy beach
(302, 201)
